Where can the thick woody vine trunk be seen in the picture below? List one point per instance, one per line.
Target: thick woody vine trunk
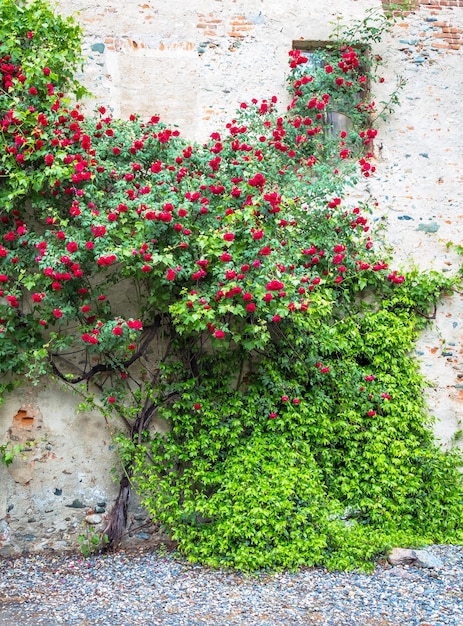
(117, 520)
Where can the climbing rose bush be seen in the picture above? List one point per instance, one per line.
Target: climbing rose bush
(229, 290)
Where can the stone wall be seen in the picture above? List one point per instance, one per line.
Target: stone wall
(420, 166)
(193, 65)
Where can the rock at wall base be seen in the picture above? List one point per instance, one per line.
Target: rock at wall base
(418, 558)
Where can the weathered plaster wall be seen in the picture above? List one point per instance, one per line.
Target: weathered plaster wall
(193, 63)
(61, 485)
(420, 175)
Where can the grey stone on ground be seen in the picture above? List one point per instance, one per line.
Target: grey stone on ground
(418, 558)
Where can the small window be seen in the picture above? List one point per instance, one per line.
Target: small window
(319, 55)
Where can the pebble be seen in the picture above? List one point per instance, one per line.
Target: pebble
(151, 588)
(93, 518)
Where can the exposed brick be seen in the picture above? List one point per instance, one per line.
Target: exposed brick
(109, 43)
(239, 26)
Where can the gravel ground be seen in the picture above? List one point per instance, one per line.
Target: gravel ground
(151, 588)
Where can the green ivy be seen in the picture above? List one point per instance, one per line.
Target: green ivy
(251, 479)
